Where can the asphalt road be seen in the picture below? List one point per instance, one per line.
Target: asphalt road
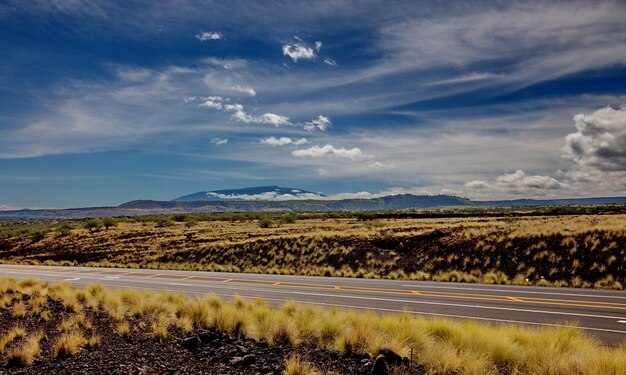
(599, 313)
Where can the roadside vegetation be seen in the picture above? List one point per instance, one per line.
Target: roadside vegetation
(86, 321)
(501, 246)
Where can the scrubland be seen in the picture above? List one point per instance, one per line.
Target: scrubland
(577, 250)
(56, 327)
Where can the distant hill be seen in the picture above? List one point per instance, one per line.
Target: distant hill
(252, 194)
(274, 198)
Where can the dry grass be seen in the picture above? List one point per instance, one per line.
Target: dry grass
(69, 344)
(25, 353)
(14, 333)
(572, 250)
(440, 345)
(296, 366)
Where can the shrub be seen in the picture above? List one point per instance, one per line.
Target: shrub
(109, 222)
(266, 222)
(92, 225)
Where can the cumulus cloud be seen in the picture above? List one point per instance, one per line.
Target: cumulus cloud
(219, 141)
(600, 140)
(272, 119)
(330, 151)
(283, 141)
(517, 183)
(209, 35)
(321, 123)
(212, 102)
(267, 118)
(301, 50)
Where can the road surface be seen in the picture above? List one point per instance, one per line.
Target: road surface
(600, 313)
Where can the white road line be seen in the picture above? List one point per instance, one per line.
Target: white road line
(111, 277)
(461, 305)
(180, 284)
(418, 286)
(74, 279)
(621, 321)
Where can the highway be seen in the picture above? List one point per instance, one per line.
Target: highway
(600, 313)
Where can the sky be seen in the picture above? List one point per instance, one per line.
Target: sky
(102, 102)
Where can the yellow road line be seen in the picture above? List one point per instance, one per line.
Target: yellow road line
(188, 277)
(276, 283)
(515, 299)
(153, 275)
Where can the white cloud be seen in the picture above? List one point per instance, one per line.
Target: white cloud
(330, 151)
(518, 183)
(321, 122)
(466, 78)
(321, 172)
(301, 50)
(209, 35)
(266, 118)
(330, 62)
(283, 141)
(267, 196)
(272, 119)
(227, 83)
(133, 74)
(212, 102)
(6, 207)
(219, 141)
(227, 64)
(600, 140)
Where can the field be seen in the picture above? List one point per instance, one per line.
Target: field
(537, 247)
(52, 328)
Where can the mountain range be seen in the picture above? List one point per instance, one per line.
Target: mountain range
(276, 198)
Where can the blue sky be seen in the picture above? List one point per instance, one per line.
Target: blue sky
(102, 102)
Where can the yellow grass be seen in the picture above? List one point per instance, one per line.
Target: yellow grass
(440, 345)
(25, 353)
(69, 344)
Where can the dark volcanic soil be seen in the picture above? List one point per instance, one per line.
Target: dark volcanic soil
(199, 352)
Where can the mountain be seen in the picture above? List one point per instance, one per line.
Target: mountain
(250, 194)
(287, 199)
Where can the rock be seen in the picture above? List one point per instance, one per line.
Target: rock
(380, 366)
(241, 349)
(360, 355)
(207, 337)
(249, 359)
(191, 342)
(391, 357)
(236, 360)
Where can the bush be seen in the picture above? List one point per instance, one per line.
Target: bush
(109, 222)
(92, 225)
(266, 222)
